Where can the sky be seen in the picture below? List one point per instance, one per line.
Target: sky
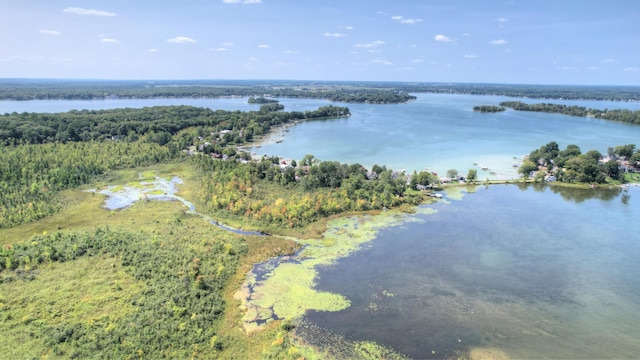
(489, 41)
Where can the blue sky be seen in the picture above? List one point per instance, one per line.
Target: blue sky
(518, 41)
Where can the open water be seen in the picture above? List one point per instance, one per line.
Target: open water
(533, 273)
(528, 272)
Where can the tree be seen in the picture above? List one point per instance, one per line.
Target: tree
(527, 167)
(472, 175)
(612, 169)
(624, 150)
(308, 160)
(452, 173)
(595, 154)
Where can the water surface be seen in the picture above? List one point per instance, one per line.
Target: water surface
(533, 273)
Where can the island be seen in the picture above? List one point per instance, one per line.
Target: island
(489, 108)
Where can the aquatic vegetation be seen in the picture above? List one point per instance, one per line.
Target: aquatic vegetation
(287, 290)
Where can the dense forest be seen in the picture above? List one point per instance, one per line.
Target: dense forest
(572, 166)
(620, 115)
(158, 123)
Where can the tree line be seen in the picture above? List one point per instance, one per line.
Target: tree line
(89, 90)
(620, 115)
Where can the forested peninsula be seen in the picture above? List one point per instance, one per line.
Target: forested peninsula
(620, 115)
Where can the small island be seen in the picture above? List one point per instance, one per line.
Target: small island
(489, 108)
(261, 100)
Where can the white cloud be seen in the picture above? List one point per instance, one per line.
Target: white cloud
(108, 40)
(81, 11)
(470, 56)
(62, 59)
(466, 34)
(608, 61)
(568, 68)
(403, 20)
(406, 68)
(227, 44)
(498, 42)
(264, 46)
(290, 52)
(592, 68)
(242, 1)
(49, 32)
(383, 62)
(181, 40)
(220, 49)
(417, 61)
(153, 50)
(372, 44)
(503, 20)
(350, 28)
(442, 38)
(631, 68)
(328, 34)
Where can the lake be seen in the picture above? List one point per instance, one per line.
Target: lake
(531, 272)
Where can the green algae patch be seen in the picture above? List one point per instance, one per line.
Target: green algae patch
(290, 294)
(286, 290)
(458, 192)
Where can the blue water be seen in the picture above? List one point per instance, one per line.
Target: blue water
(442, 132)
(532, 273)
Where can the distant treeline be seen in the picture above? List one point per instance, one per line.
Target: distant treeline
(344, 91)
(566, 92)
(88, 90)
(620, 115)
